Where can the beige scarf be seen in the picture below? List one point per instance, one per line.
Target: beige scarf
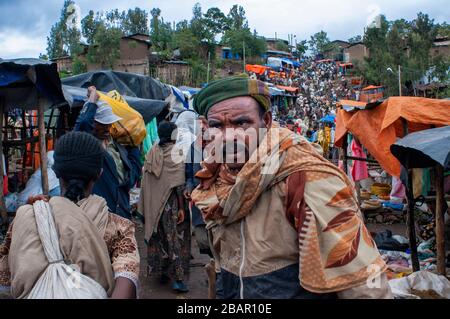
(81, 230)
(161, 175)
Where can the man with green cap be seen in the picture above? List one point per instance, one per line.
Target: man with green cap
(283, 221)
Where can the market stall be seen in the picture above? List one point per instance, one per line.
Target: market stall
(28, 87)
(377, 126)
(429, 148)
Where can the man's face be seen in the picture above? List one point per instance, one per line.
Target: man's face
(101, 131)
(235, 125)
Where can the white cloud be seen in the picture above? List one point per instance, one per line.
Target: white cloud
(15, 44)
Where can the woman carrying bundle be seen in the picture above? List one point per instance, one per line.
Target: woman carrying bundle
(71, 246)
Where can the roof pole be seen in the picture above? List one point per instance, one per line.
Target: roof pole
(440, 224)
(42, 149)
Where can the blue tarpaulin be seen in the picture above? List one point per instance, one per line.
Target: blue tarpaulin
(329, 118)
(26, 83)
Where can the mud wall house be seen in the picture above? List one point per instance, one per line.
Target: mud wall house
(64, 63)
(272, 43)
(134, 55)
(441, 46)
(355, 53)
(176, 73)
(337, 51)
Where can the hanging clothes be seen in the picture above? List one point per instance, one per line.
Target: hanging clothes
(359, 168)
(152, 135)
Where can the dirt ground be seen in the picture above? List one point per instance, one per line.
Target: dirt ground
(150, 288)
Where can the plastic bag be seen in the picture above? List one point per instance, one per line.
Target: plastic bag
(59, 280)
(421, 285)
(131, 129)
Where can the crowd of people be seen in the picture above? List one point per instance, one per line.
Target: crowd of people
(321, 84)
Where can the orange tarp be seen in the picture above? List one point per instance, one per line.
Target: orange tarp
(371, 87)
(287, 88)
(357, 104)
(378, 128)
(258, 69)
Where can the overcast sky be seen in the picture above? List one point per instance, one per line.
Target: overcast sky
(25, 24)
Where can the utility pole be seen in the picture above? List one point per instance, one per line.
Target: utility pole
(209, 60)
(243, 46)
(399, 80)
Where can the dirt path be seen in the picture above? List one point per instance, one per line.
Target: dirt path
(150, 288)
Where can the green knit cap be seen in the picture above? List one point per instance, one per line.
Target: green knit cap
(227, 88)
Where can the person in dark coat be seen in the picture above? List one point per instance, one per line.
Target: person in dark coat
(121, 165)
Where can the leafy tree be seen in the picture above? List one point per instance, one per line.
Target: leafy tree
(187, 43)
(355, 39)
(302, 47)
(135, 21)
(236, 18)
(160, 32)
(237, 39)
(443, 29)
(319, 43)
(78, 66)
(89, 25)
(105, 49)
(215, 21)
(64, 37)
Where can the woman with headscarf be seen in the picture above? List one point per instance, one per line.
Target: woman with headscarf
(99, 246)
(167, 232)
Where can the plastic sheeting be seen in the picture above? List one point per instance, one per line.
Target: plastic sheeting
(378, 128)
(129, 84)
(424, 149)
(24, 83)
(149, 109)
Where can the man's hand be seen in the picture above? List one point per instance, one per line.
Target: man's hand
(92, 94)
(187, 194)
(180, 216)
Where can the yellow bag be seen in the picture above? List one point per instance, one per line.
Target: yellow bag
(130, 130)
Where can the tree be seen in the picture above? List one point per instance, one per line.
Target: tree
(319, 43)
(236, 18)
(89, 25)
(215, 21)
(187, 43)
(237, 39)
(105, 49)
(302, 47)
(160, 32)
(135, 21)
(64, 37)
(355, 39)
(55, 45)
(78, 66)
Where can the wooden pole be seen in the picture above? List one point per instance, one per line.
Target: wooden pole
(412, 223)
(440, 224)
(344, 160)
(411, 204)
(3, 212)
(42, 150)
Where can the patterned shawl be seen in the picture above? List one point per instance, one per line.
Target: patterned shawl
(336, 250)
